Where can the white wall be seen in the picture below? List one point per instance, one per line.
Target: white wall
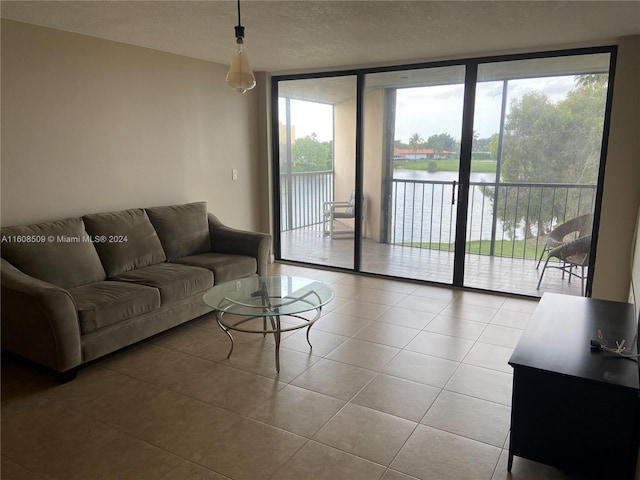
(621, 194)
(90, 125)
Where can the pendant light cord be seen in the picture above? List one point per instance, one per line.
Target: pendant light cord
(239, 28)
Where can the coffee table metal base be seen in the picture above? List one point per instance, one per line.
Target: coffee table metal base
(272, 304)
(270, 325)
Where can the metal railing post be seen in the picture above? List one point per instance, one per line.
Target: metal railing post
(494, 221)
(289, 163)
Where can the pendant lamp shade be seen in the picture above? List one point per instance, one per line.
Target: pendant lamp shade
(240, 77)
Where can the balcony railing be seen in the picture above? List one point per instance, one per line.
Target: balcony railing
(302, 196)
(504, 219)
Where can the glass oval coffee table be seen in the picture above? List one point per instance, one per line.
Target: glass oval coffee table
(258, 305)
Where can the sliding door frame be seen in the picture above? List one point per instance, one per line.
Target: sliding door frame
(464, 173)
(471, 73)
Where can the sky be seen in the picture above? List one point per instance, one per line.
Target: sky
(436, 109)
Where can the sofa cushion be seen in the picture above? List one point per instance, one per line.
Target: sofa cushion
(131, 241)
(174, 282)
(224, 266)
(183, 229)
(57, 252)
(104, 303)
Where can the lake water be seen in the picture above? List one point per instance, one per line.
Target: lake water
(428, 213)
(402, 174)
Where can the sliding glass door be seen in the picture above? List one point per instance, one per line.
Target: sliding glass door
(316, 178)
(411, 163)
(537, 146)
(453, 172)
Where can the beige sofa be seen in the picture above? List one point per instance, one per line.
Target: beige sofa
(76, 289)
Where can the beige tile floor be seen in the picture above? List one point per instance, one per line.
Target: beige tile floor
(405, 381)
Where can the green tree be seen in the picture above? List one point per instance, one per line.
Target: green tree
(585, 108)
(592, 80)
(416, 142)
(311, 155)
(492, 145)
(480, 144)
(532, 137)
(480, 148)
(441, 142)
(545, 142)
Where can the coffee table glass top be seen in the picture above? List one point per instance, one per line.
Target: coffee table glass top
(268, 296)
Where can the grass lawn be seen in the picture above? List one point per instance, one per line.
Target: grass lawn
(503, 248)
(477, 166)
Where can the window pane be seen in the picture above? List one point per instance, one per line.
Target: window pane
(317, 165)
(538, 128)
(412, 129)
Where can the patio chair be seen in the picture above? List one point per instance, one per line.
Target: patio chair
(574, 228)
(339, 210)
(573, 254)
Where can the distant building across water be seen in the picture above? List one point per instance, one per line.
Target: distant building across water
(419, 154)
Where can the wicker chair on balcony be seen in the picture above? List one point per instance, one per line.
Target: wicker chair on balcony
(570, 230)
(342, 211)
(572, 255)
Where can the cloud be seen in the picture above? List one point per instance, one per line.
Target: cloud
(435, 109)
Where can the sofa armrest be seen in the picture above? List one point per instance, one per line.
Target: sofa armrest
(240, 242)
(39, 320)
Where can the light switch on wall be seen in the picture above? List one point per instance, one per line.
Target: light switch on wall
(234, 174)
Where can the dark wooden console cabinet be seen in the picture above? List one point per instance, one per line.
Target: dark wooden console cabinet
(575, 408)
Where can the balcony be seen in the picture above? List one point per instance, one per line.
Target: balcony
(418, 231)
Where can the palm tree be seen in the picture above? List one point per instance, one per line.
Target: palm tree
(591, 80)
(415, 143)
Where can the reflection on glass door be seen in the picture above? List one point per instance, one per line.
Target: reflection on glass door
(317, 120)
(412, 132)
(538, 129)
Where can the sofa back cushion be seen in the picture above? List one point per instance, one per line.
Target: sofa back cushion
(58, 252)
(183, 229)
(124, 240)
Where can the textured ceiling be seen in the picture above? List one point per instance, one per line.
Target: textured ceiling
(301, 35)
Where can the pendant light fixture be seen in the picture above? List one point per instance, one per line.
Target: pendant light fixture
(240, 77)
